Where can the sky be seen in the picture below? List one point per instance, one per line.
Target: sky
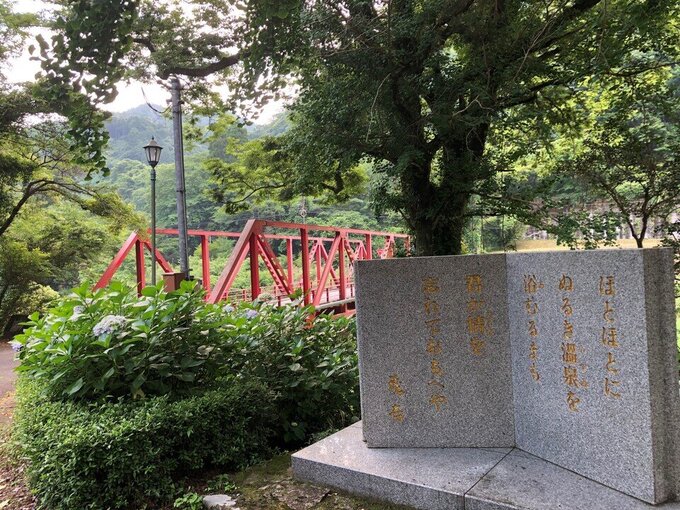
(23, 69)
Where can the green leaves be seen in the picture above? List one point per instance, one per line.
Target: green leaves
(177, 344)
(75, 387)
(157, 344)
(310, 365)
(123, 455)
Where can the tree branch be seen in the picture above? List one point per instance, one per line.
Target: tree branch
(203, 71)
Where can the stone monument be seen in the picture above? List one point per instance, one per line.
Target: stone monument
(438, 372)
(523, 380)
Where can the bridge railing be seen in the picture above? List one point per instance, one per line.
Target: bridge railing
(326, 254)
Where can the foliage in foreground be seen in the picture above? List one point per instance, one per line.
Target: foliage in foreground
(92, 456)
(120, 395)
(110, 344)
(310, 365)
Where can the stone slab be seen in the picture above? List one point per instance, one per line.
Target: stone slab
(594, 370)
(454, 478)
(219, 502)
(434, 352)
(425, 478)
(523, 481)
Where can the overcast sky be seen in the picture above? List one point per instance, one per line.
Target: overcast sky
(23, 69)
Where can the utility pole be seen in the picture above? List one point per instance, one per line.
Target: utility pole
(179, 176)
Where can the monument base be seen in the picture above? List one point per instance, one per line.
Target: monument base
(454, 478)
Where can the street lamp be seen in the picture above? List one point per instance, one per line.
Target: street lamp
(153, 156)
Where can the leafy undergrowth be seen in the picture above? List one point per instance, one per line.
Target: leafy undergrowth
(270, 486)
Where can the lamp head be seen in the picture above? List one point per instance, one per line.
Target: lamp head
(153, 152)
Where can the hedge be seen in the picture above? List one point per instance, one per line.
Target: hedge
(117, 455)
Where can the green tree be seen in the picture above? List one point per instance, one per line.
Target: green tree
(261, 169)
(627, 153)
(420, 88)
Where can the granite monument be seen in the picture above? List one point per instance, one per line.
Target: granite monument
(556, 361)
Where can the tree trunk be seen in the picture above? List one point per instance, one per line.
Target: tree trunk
(437, 212)
(442, 234)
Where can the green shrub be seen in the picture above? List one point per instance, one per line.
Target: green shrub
(96, 456)
(110, 343)
(128, 392)
(310, 365)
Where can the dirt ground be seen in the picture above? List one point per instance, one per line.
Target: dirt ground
(13, 492)
(7, 380)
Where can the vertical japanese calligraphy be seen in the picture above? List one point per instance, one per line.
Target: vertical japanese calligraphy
(572, 371)
(531, 287)
(395, 387)
(433, 344)
(610, 337)
(479, 318)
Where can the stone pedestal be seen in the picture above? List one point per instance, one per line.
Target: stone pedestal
(560, 362)
(454, 478)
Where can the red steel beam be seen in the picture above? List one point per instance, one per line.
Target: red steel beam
(326, 270)
(254, 266)
(160, 259)
(304, 250)
(341, 269)
(323, 228)
(289, 261)
(139, 264)
(234, 262)
(278, 224)
(273, 265)
(205, 261)
(324, 254)
(369, 246)
(117, 261)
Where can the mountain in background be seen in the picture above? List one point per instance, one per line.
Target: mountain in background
(132, 129)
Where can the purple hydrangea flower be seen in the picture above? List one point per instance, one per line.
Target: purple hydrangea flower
(108, 325)
(77, 311)
(251, 314)
(229, 309)
(16, 346)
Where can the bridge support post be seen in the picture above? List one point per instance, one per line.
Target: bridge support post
(289, 262)
(342, 288)
(205, 261)
(304, 249)
(139, 264)
(254, 267)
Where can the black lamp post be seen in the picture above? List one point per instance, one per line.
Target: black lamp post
(153, 156)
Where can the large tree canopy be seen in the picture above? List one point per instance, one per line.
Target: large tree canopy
(423, 90)
(626, 153)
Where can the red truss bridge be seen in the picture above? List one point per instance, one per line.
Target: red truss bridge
(326, 256)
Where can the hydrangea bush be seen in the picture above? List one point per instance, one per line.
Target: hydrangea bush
(124, 394)
(111, 344)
